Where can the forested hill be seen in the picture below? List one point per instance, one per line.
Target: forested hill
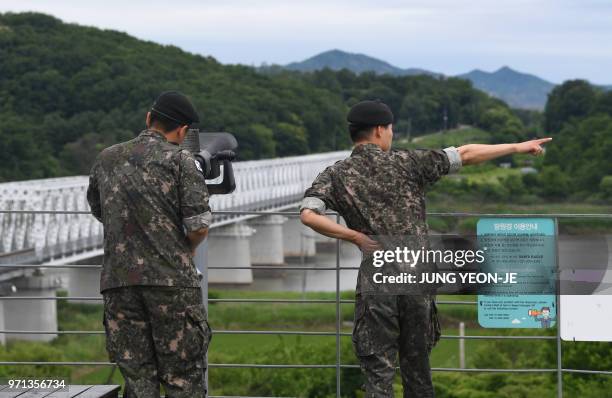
(67, 91)
(358, 63)
(519, 90)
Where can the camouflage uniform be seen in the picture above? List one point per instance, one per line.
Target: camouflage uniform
(383, 193)
(148, 193)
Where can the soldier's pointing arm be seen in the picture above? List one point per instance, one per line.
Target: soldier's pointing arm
(433, 164)
(478, 153)
(430, 165)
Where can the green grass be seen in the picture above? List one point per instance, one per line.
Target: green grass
(490, 175)
(243, 348)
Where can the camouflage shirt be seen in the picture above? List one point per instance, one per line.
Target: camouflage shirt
(148, 193)
(381, 193)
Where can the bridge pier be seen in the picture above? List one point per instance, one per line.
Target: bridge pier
(229, 247)
(84, 282)
(267, 241)
(298, 239)
(34, 314)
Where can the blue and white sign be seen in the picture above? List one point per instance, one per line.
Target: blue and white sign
(526, 246)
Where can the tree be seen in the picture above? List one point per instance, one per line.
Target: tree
(574, 99)
(605, 186)
(503, 125)
(291, 139)
(553, 183)
(60, 82)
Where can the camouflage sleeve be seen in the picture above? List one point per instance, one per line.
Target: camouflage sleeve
(454, 158)
(431, 165)
(93, 194)
(319, 196)
(193, 194)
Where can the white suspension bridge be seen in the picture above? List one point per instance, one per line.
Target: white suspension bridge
(46, 223)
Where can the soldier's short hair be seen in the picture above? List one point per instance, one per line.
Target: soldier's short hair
(360, 132)
(163, 122)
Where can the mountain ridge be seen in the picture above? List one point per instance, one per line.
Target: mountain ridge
(337, 59)
(518, 89)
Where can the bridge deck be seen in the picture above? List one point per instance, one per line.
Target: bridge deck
(45, 220)
(73, 391)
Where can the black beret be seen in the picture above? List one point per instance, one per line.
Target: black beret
(176, 107)
(370, 113)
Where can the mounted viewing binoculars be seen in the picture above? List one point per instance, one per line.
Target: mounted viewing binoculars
(212, 151)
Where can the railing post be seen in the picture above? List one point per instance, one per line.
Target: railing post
(201, 263)
(558, 298)
(461, 345)
(338, 314)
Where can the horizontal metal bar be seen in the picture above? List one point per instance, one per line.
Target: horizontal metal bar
(283, 332)
(260, 212)
(313, 366)
(252, 267)
(86, 332)
(286, 301)
(485, 337)
(492, 370)
(245, 300)
(50, 266)
(51, 363)
(229, 396)
(348, 334)
(226, 396)
(514, 215)
(95, 363)
(218, 212)
(278, 332)
(295, 213)
(270, 366)
(49, 298)
(288, 268)
(345, 366)
(44, 212)
(597, 372)
(321, 301)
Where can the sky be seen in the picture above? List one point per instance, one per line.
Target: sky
(554, 39)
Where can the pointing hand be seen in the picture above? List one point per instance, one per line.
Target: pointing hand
(533, 147)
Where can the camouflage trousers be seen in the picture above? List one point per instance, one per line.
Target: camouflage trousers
(386, 325)
(158, 335)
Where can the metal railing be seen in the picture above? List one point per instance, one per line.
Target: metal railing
(337, 301)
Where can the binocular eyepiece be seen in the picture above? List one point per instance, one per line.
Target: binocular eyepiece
(213, 150)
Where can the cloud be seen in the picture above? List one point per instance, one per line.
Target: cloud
(515, 321)
(556, 39)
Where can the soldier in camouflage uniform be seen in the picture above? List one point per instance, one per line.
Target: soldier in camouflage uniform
(379, 191)
(152, 199)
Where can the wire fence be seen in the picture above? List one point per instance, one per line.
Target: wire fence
(337, 302)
